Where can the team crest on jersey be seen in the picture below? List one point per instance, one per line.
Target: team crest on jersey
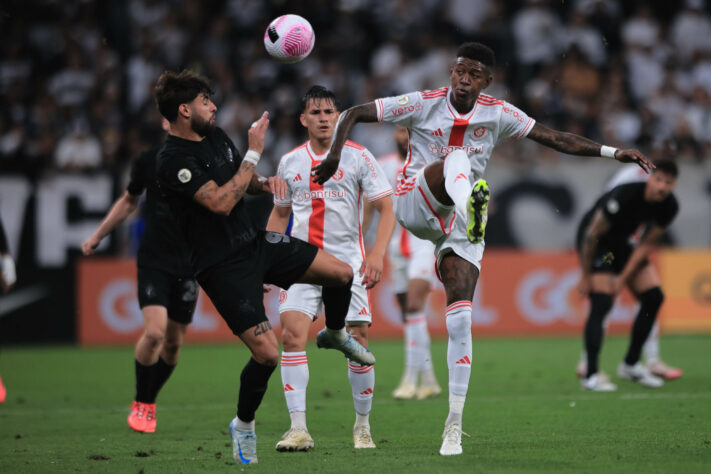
(230, 156)
(282, 296)
(184, 175)
(402, 100)
(613, 206)
(338, 175)
(479, 132)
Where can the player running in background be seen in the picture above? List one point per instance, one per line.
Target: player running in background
(441, 196)
(329, 217)
(8, 277)
(650, 350)
(609, 263)
(167, 290)
(412, 273)
(204, 178)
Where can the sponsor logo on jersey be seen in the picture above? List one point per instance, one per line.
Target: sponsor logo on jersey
(184, 175)
(408, 108)
(402, 100)
(479, 132)
(373, 173)
(338, 175)
(444, 150)
(297, 178)
(513, 112)
(438, 133)
(301, 195)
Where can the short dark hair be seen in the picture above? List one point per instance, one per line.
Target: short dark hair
(173, 89)
(667, 166)
(478, 52)
(318, 92)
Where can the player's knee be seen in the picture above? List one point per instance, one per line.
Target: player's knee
(292, 340)
(344, 274)
(154, 336)
(267, 356)
(652, 298)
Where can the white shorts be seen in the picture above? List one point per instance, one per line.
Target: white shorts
(418, 211)
(418, 264)
(307, 299)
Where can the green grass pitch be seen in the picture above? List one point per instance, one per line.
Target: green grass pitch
(66, 412)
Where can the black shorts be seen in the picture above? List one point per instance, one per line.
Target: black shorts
(178, 294)
(608, 258)
(235, 285)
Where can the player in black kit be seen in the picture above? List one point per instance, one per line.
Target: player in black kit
(609, 263)
(167, 290)
(204, 178)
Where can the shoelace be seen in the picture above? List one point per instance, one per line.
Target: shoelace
(455, 431)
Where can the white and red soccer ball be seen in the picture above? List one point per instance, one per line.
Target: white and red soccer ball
(289, 38)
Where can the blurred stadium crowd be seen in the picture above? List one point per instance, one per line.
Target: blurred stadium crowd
(76, 76)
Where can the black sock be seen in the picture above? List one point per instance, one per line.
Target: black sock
(600, 304)
(336, 301)
(145, 375)
(253, 385)
(162, 372)
(650, 302)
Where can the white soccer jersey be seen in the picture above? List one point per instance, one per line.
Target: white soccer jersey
(436, 128)
(330, 215)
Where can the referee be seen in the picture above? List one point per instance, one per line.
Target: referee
(204, 179)
(167, 290)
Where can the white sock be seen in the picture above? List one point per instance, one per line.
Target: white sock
(415, 325)
(456, 180)
(459, 354)
(295, 379)
(362, 420)
(244, 425)
(651, 345)
(362, 379)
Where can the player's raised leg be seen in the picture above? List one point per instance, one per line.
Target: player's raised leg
(459, 278)
(295, 378)
(336, 277)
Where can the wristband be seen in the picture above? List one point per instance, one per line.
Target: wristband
(252, 157)
(7, 264)
(608, 151)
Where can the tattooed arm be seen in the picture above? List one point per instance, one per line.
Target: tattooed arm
(222, 199)
(576, 145)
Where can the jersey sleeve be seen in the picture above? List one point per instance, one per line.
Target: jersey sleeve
(372, 177)
(182, 174)
(400, 110)
(667, 213)
(514, 122)
(137, 182)
(281, 173)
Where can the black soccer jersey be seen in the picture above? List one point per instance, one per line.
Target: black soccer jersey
(162, 245)
(183, 167)
(625, 209)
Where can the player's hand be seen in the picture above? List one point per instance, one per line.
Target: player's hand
(256, 133)
(371, 270)
(634, 156)
(89, 245)
(323, 171)
(276, 186)
(584, 285)
(8, 276)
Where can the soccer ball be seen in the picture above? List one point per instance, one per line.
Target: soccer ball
(289, 38)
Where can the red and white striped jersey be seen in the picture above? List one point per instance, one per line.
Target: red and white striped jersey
(436, 128)
(330, 215)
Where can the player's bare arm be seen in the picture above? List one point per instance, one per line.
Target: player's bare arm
(372, 267)
(279, 219)
(360, 113)
(122, 208)
(576, 145)
(640, 252)
(271, 185)
(599, 225)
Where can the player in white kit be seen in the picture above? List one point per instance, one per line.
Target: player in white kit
(441, 195)
(412, 274)
(329, 216)
(650, 350)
